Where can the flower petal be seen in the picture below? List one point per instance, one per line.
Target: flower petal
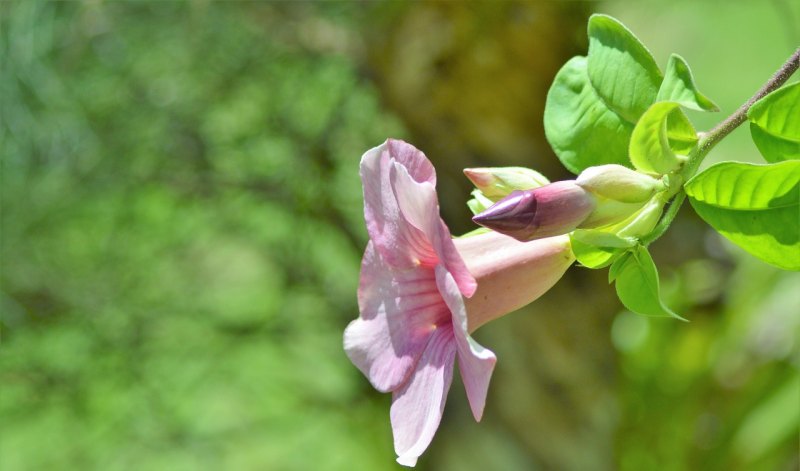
(420, 207)
(418, 166)
(400, 310)
(400, 243)
(417, 407)
(475, 362)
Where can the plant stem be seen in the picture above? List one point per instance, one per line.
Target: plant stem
(733, 121)
(710, 139)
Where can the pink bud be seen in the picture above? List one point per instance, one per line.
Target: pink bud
(554, 209)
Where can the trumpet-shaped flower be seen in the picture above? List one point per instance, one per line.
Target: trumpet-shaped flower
(422, 293)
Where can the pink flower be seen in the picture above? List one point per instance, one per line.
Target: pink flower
(422, 293)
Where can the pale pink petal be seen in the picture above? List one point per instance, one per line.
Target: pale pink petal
(419, 206)
(417, 407)
(453, 262)
(418, 166)
(401, 244)
(416, 200)
(400, 309)
(475, 362)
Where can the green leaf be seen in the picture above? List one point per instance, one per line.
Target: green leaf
(775, 124)
(582, 130)
(620, 68)
(637, 284)
(680, 133)
(678, 87)
(651, 147)
(479, 203)
(595, 101)
(757, 207)
(598, 249)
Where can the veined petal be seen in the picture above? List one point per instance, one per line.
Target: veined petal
(453, 262)
(475, 362)
(400, 310)
(414, 160)
(417, 407)
(418, 204)
(400, 243)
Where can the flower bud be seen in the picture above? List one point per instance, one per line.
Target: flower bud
(498, 182)
(609, 212)
(554, 209)
(618, 183)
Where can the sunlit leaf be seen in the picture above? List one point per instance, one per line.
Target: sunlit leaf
(651, 147)
(775, 124)
(621, 69)
(598, 249)
(595, 101)
(581, 129)
(636, 281)
(757, 207)
(678, 86)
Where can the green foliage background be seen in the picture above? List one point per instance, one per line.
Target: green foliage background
(181, 236)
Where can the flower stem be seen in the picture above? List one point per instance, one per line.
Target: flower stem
(710, 139)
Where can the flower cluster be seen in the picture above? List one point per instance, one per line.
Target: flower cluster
(600, 196)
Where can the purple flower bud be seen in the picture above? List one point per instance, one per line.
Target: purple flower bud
(554, 209)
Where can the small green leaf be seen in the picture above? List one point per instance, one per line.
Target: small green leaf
(680, 133)
(479, 203)
(775, 124)
(616, 267)
(678, 87)
(580, 127)
(637, 284)
(598, 249)
(620, 68)
(651, 147)
(757, 207)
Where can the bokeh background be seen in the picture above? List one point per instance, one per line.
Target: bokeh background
(182, 229)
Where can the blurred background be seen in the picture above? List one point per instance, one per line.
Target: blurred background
(182, 229)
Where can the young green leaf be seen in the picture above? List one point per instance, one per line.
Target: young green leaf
(582, 130)
(678, 86)
(757, 207)
(637, 284)
(680, 133)
(595, 101)
(598, 249)
(479, 203)
(652, 139)
(620, 68)
(775, 124)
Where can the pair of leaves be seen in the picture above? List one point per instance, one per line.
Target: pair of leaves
(632, 269)
(637, 285)
(775, 124)
(757, 207)
(596, 103)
